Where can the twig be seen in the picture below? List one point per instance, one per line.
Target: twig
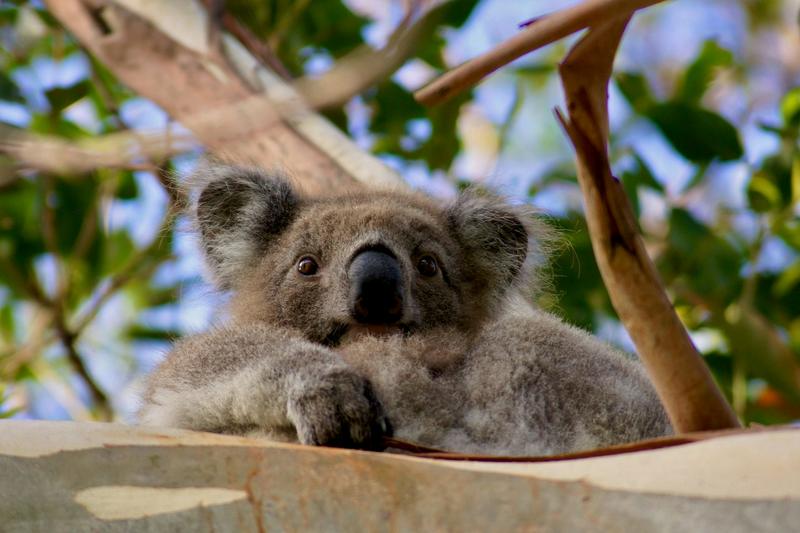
(365, 67)
(681, 378)
(253, 44)
(50, 238)
(68, 338)
(541, 32)
(88, 229)
(28, 284)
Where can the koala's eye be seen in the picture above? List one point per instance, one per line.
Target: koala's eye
(307, 266)
(427, 266)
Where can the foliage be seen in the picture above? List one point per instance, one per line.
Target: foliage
(67, 265)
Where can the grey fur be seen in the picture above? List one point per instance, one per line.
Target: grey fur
(471, 366)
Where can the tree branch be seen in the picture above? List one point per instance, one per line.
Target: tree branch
(99, 399)
(232, 102)
(536, 34)
(680, 376)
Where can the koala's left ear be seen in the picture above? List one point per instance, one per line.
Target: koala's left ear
(495, 235)
(240, 211)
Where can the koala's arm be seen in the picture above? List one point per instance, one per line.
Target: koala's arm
(568, 388)
(257, 379)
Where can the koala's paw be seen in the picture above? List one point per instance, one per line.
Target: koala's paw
(340, 409)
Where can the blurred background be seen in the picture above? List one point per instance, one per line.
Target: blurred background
(96, 278)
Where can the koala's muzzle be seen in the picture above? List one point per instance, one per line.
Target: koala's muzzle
(376, 287)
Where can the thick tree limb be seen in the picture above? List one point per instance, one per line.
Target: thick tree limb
(67, 476)
(684, 383)
(541, 32)
(217, 91)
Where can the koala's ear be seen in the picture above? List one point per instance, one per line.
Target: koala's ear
(496, 236)
(239, 212)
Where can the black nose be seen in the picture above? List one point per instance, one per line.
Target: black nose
(376, 287)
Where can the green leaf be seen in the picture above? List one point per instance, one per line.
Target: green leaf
(643, 175)
(128, 189)
(790, 108)
(536, 69)
(790, 233)
(72, 200)
(20, 230)
(795, 179)
(55, 125)
(577, 284)
(443, 145)
(697, 134)
(698, 76)
(635, 89)
(393, 106)
(117, 249)
(62, 97)
(430, 51)
(9, 90)
(703, 260)
(777, 169)
(762, 194)
(787, 279)
(155, 297)
(126, 186)
(144, 333)
(8, 14)
(639, 175)
(456, 12)
(685, 232)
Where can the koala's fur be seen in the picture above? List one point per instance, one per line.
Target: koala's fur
(470, 366)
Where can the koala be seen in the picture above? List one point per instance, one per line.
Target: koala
(376, 313)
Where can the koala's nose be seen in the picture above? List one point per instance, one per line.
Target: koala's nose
(376, 287)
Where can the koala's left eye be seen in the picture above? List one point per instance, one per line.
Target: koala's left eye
(427, 266)
(307, 266)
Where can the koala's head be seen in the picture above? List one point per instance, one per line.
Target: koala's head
(378, 262)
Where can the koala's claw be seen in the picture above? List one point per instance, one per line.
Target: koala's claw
(340, 411)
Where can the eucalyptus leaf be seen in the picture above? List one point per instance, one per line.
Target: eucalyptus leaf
(9, 90)
(790, 108)
(697, 134)
(701, 72)
(61, 98)
(636, 90)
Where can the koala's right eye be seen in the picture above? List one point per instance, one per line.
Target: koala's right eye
(307, 266)
(427, 266)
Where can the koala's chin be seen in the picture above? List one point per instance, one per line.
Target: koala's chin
(365, 315)
(357, 332)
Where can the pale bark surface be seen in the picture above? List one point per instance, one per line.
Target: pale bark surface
(66, 476)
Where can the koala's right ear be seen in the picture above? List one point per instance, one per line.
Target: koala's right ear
(239, 212)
